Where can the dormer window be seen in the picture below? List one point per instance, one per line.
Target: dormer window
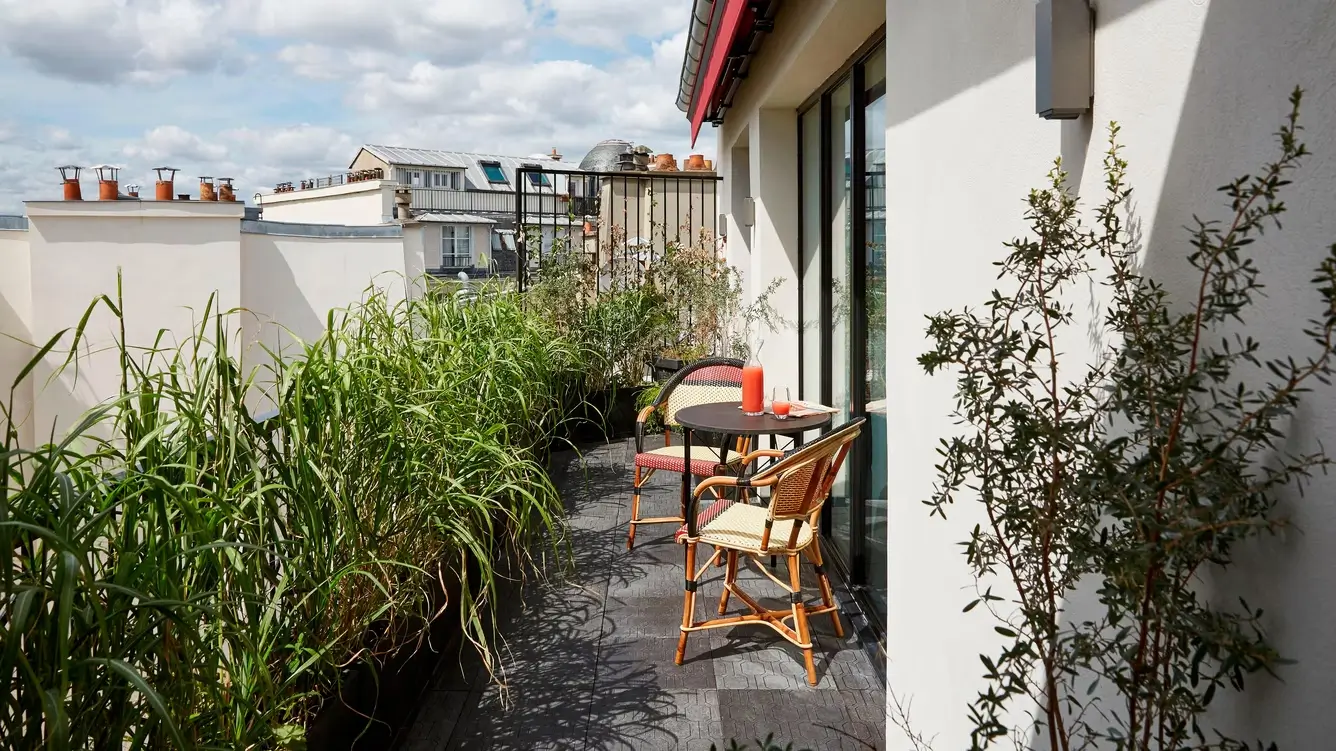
(494, 172)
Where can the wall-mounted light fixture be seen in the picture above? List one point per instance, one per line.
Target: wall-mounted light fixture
(748, 213)
(1064, 46)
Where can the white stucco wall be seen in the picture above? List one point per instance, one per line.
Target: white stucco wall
(171, 257)
(16, 347)
(355, 204)
(1198, 87)
(289, 284)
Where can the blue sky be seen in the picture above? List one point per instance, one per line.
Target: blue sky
(277, 90)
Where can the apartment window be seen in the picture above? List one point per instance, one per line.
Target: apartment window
(456, 246)
(415, 178)
(446, 180)
(456, 180)
(494, 172)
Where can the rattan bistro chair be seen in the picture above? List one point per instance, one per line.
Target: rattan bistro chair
(716, 379)
(799, 482)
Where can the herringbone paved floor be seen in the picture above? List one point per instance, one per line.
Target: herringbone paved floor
(588, 656)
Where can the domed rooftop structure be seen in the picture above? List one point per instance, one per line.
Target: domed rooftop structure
(605, 155)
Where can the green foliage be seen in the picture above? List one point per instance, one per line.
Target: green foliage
(684, 304)
(1131, 478)
(181, 575)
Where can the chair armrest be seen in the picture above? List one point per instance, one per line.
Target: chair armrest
(759, 453)
(640, 427)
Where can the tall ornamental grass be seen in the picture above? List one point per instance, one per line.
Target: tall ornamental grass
(181, 575)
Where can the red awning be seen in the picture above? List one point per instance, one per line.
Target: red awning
(707, 83)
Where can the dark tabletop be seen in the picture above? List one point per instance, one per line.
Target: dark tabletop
(726, 418)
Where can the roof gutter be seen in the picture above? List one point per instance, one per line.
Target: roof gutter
(697, 34)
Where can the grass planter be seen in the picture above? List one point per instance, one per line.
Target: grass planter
(376, 705)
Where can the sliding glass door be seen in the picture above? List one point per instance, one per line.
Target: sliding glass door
(843, 303)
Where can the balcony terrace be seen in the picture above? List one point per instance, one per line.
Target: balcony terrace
(588, 657)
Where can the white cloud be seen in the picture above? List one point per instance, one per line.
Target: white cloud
(113, 41)
(170, 142)
(607, 23)
(322, 77)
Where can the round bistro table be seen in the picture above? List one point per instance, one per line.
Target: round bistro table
(727, 419)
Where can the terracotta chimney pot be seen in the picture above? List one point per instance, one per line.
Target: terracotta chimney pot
(69, 177)
(206, 191)
(108, 185)
(225, 192)
(695, 162)
(665, 163)
(166, 183)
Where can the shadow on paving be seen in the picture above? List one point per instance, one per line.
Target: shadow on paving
(586, 657)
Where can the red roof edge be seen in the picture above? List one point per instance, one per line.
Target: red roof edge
(708, 83)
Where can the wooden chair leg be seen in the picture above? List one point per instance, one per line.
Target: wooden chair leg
(800, 616)
(823, 581)
(730, 576)
(635, 510)
(688, 603)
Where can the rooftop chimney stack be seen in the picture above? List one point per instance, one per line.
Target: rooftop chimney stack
(108, 186)
(403, 204)
(166, 177)
(69, 177)
(206, 191)
(132, 191)
(225, 192)
(555, 156)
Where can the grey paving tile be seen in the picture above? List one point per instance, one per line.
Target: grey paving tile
(646, 664)
(629, 720)
(635, 617)
(817, 720)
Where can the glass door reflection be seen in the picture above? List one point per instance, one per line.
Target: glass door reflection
(874, 485)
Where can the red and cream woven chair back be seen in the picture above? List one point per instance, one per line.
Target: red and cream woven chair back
(717, 379)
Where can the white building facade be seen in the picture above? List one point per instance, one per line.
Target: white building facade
(876, 156)
(172, 256)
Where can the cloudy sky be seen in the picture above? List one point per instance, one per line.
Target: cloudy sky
(273, 90)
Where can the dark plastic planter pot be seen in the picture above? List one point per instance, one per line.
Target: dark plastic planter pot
(665, 367)
(389, 694)
(601, 415)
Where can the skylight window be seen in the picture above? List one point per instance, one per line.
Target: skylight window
(537, 179)
(494, 172)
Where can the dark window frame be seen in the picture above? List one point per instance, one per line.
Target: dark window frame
(859, 461)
